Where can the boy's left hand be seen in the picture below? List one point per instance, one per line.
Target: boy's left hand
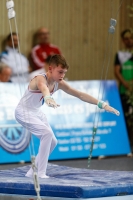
(112, 110)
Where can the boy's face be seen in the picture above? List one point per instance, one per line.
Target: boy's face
(57, 72)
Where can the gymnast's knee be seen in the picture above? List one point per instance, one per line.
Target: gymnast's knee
(47, 134)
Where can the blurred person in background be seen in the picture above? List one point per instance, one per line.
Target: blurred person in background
(5, 73)
(44, 69)
(16, 61)
(123, 70)
(42, 50)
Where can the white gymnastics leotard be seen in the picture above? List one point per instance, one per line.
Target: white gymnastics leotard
(29, 115)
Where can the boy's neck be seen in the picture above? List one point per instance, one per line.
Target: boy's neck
(50, 80)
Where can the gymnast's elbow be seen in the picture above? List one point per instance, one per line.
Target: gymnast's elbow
(86, 98)
(81, 96)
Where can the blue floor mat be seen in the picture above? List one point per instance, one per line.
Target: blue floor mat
(68, 182)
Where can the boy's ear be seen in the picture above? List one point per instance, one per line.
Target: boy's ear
(50, 68)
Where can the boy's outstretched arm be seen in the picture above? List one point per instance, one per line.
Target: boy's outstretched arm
(86, 97)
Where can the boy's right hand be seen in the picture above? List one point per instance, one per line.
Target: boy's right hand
(50, 102)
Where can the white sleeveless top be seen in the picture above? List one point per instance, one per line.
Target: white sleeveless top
(33, 99)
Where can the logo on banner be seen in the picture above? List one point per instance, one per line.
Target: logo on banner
(13, 137)
(14, 140)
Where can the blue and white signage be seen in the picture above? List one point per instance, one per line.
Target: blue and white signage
(72, 124)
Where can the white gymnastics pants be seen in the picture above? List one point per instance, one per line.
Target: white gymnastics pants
(39, 126)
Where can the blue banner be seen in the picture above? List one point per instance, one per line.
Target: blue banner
(72, 124)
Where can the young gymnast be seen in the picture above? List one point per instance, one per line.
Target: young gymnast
(40, 90)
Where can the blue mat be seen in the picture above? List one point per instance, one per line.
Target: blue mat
(68, 182)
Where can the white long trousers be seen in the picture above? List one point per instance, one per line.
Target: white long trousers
(39, 126)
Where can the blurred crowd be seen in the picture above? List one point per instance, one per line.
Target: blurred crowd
(15, 67)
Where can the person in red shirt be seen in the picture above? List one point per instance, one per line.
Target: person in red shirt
(44, 49)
